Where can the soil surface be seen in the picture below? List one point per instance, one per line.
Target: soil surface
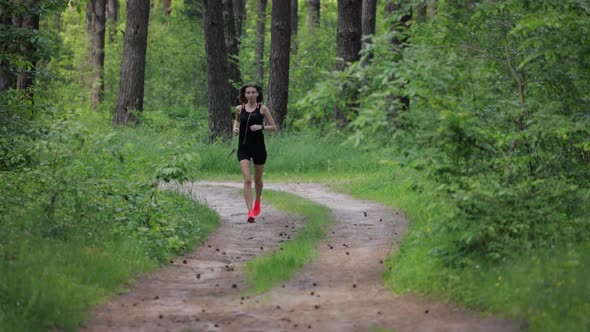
(341, 290)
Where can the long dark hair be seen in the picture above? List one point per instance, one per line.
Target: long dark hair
(242, 96)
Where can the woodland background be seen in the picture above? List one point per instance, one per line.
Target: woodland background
(472, 116)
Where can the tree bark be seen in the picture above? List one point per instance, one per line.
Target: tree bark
(232, 45)
(259, 47)
(167, 4)
(30, 20)
(112, 14)
(349, 32)
(6, 77)
(89, 27)
(240, 16)
(432, 9)
(218, 87)
(313, 14)
(278, 82)
(348, 49)
(294, 24)
(368, 22)
(131, 85)
(98, 44)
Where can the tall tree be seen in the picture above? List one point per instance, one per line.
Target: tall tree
(260, 37)
(6, 77)
(167, 5)
(89, 25)
(368, 22)
(29, 20)
(98, 8)
(218, 86)
(278, 81)
(313, 14)
(112, 18)
(232, 45)
(294, 24)
(240, 16)
(131, 85)
(348, 49)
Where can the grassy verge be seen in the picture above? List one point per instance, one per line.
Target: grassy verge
(549, 289)
(269, 270)
(49, 284)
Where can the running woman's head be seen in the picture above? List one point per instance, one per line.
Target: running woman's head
(249, 89)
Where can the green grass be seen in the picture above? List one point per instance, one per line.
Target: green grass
(549, 289)
(48, 284)
(270, 270)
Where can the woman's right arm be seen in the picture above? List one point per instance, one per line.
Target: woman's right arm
(236, 129)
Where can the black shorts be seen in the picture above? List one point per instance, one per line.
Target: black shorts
(255, 152)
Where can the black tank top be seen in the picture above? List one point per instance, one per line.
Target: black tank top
(248, 137)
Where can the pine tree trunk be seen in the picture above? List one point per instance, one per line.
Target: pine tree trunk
(98, 44)
(131, 85)
(259, 47)
(278, 81)
(348, 49)
(232, 44)
(26, 78)
(313, 14)
(167, 4)
(240, 16)
(218, 87)
(294, 24)
(112, 18)
(368, 22)
(6, 78)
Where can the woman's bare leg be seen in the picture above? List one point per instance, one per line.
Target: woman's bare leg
(258, 185)
(245, 166)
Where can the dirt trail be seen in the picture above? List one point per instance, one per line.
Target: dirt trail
(341, 290)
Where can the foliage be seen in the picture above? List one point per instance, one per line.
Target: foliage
(91, 198)
(498, 118)
(546, 288)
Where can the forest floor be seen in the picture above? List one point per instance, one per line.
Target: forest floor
(340, 290)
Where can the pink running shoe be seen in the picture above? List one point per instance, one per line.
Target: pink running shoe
(256, 209)
(251, 218)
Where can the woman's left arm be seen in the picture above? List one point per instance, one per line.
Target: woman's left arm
(270, 121)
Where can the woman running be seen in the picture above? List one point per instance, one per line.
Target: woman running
(249, 124)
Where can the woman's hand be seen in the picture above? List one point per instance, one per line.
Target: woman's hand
(236, 131)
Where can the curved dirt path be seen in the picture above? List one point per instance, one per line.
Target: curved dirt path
(341, 290)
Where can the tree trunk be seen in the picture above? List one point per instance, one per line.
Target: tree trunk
(278, 81)
(131, 85)
(232, 45)
(6, 77)
(348, 49)
(240, 16)
(294, 24)
(89, 27)
(112, 18)
(432, 9)
(368, 22)
(218, 87)
(98, 42)
(259, 47)
(349, 32)
(167, 4)
(29, 21)
(313, 14)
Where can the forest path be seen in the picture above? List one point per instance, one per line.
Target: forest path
(341, 290)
